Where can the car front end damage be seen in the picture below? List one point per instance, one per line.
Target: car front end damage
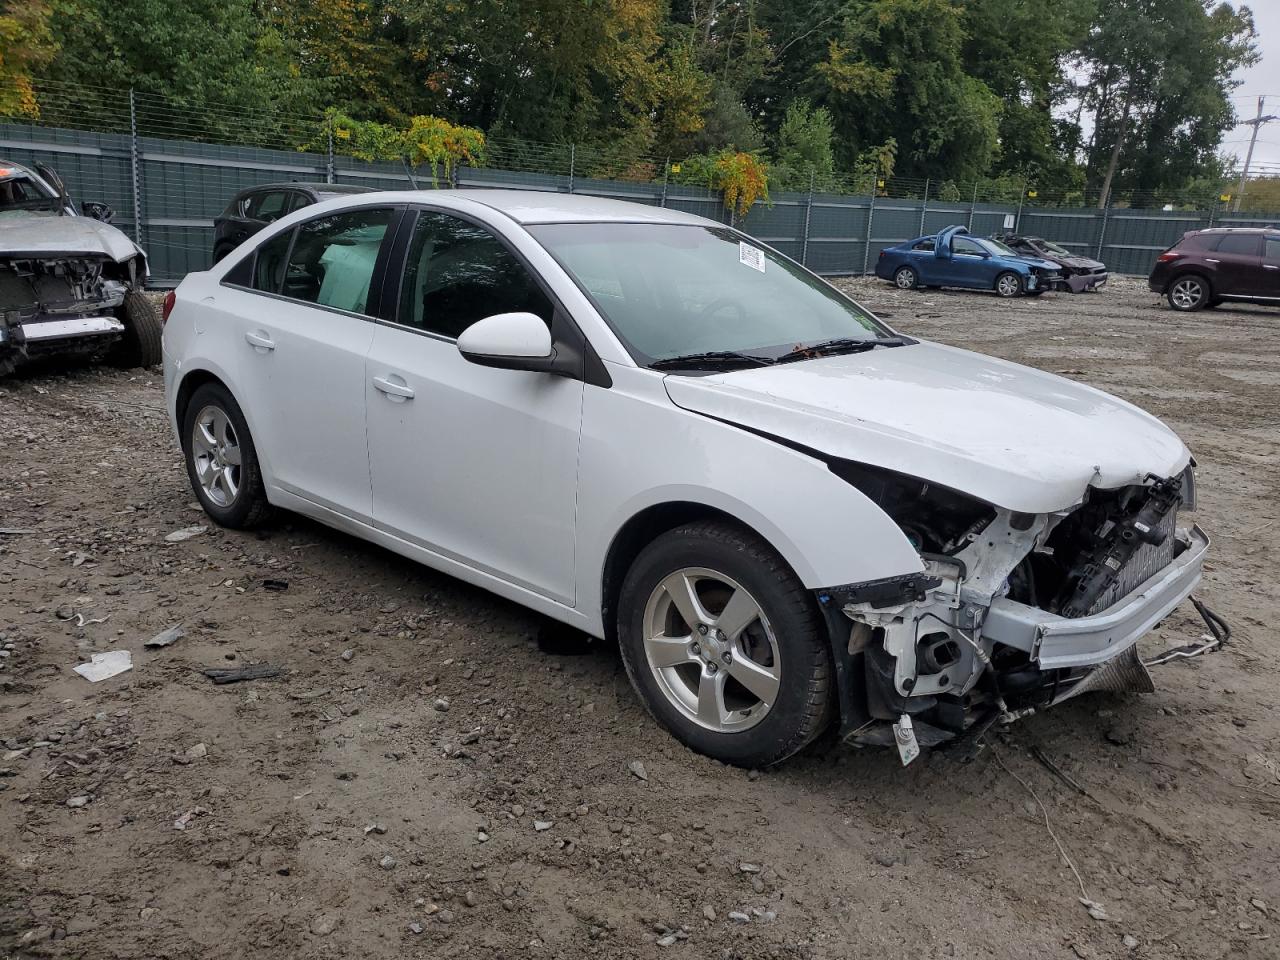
(1014, 612)
(60, 304)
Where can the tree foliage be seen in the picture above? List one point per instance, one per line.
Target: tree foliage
(1065, 96)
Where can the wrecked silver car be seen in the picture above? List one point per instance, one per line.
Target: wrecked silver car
(70, 283)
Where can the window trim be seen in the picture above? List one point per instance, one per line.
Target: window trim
(566, 333)
(379, 266)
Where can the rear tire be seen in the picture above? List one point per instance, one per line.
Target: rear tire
(1189, 292)
(906, 278)
(222, 462)
(1009, 284)
(756, 623)
(140, 344)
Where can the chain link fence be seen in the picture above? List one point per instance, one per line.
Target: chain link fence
(168, 172)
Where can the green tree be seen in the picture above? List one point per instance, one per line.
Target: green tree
(26, 46)
(805, 153)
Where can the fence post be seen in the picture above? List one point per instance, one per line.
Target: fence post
(871, 215)
(328, 166)
(666, 175)
(1102, 231)
(973, 206)
(134, 169)
(1212, 207)
(1017, 220)
(924, 206)
(808, 212)
(573, 157)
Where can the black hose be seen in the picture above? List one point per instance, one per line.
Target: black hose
(1217, 626)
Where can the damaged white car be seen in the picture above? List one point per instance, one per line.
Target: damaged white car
(651, 427)
(70, 283)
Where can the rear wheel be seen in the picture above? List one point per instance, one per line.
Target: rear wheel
(906, 278)
(725, 645)
(139, 345)
(1188, 293)
(222, 462)
(1009, 284)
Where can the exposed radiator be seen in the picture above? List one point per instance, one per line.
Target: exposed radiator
(1144, 564)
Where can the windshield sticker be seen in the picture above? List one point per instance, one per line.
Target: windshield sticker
(753, 257)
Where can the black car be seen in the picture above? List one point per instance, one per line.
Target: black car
(252, 209)
(1078, 273)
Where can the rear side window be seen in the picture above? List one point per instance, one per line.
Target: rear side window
(298, 200)
(269, 206)
(923, 244)
(1273, 248)
(1240, 243)
(333, 258)
(268, 267)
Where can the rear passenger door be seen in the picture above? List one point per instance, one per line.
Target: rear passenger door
(1238, 265)
(301, 332)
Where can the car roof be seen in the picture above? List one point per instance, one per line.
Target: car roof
(331, 188)
(534, 206)
(1235, 230)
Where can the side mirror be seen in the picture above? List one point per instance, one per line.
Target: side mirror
(509, 341)
(97, 210)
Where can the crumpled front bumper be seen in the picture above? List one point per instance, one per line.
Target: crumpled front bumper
(1080, 282)
(1055, 642)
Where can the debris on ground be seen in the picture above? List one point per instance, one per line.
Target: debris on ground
(256, 671)
(102, 666)
(166, 637)
(178, 536)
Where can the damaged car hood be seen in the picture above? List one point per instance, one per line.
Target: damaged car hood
(51, 236)
(1013, 436)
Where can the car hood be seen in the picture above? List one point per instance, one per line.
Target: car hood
(1009, 435)
(55, 236)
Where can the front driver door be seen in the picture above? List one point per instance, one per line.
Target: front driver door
(970, 264)
(477, 464)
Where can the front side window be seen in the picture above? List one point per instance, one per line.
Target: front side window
(332, 260)
(671, 290)
(1273, 248)
(966, 246)
(268, 207)
(1239, 243)
(457, 273)
(268, 266)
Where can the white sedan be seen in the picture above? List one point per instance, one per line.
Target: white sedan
(658, 430)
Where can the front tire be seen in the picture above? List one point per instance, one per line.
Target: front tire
(222, 462)
(906, 278)
(1009, 284)
(1188, 293)
(140, 344)
(725, 645)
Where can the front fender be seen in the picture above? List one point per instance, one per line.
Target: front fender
(638, 453)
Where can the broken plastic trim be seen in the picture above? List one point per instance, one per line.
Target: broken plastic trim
(886, 592)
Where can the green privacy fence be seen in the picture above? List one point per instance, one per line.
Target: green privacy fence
(166, 193)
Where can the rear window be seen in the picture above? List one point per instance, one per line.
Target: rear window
(1246, 244)
(1273, 248)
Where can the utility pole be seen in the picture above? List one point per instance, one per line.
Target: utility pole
(1256, 122)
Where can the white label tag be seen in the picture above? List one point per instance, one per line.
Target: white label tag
(753, 257)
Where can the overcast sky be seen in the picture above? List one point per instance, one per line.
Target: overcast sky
(1263, 78)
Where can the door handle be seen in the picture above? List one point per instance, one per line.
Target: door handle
(394, 388)
(1211, 260)
(1270, 266)
(259, 341)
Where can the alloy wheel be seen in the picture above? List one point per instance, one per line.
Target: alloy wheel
(1186, 294)
(711, 650)
(905, 278)
(1008, 285)
(215, 453)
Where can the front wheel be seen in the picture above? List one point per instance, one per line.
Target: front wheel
(140, 344)
(1009, 284)
(725, 645)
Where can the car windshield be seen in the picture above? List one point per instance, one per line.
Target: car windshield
(21, 195)
(674, 290)
(1056, 248)
(1000, 249)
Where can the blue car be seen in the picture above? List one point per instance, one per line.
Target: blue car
(955, 259)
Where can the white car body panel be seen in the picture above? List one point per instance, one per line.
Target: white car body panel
(1013, 436)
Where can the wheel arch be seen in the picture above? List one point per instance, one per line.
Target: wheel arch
(1199, 272)
(640, 530)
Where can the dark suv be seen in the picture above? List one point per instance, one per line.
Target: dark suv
(252, 209)
(1207, 267)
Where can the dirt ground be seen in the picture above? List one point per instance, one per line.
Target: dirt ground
(438, 774)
